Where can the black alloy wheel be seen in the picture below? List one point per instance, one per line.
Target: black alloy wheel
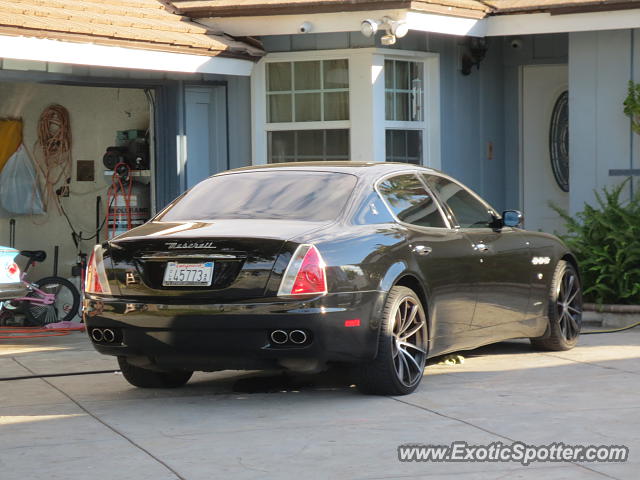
(565, 310)
(402, 348)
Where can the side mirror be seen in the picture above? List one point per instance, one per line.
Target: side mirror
(512, 218)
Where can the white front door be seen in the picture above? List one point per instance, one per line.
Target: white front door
(544, 130)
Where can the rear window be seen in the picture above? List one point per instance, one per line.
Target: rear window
(278, 194)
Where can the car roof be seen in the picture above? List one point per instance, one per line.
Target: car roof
(359, 169)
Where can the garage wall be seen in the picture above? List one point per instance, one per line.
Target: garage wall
(95, 114)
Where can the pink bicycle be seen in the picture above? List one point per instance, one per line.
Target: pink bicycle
(50, 299)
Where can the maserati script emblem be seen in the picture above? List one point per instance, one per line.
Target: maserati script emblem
(173, 245)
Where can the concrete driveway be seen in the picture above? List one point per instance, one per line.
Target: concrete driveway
(249, 425)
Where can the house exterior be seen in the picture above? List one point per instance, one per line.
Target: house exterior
(536, 117)
(519, 99)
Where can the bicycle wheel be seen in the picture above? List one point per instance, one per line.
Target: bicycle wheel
(64, 308)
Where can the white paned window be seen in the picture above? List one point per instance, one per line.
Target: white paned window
(404, 111)
(302, 96)
(403, 146)
(308, 145)
(361, 104)
(311, 91)
(403, 88)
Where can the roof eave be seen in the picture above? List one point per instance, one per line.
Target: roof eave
(253, 54)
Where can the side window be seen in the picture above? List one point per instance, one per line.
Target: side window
(468, 210)
(372, 211)
(410, 201)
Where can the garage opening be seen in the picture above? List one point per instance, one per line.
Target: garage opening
(92, 151)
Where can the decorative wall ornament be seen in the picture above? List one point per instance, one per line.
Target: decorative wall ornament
(559, 141)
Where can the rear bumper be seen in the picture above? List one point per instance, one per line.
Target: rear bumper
(237, 335)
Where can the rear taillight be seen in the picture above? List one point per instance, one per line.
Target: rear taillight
(305, 274)
(95, 280)
(13, 272)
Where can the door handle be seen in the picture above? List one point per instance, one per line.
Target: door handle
(481, 247)
(422, 249)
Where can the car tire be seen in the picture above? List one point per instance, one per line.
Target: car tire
(402, 347)
(565, 310)
(144, 378)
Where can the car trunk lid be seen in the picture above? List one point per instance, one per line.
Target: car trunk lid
(242, 254)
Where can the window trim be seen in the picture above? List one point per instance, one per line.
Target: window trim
(260, 127)
(427, 122)
(416, 173)
(293, 92)
(366, 122)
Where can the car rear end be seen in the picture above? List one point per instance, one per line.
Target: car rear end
(202, 288)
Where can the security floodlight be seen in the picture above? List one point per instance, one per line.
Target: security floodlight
(397, 28)
(369, 28)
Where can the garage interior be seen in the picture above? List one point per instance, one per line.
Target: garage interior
(79, 190)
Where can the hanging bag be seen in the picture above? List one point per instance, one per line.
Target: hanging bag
(19, 189)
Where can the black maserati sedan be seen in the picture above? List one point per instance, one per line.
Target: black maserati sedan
(374, 267)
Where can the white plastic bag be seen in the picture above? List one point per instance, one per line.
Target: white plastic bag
(19, 189)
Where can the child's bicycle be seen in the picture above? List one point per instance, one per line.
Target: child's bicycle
(50, 299)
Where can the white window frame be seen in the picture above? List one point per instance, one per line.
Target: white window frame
(430, 123)
(367, 122)
(260, 126)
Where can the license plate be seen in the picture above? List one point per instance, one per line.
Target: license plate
(188, 274)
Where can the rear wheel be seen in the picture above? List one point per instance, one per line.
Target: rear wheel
(63, 309)
(402, 349)
(144, 378)
(565, 310)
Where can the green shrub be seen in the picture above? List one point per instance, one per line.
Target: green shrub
(606, 241)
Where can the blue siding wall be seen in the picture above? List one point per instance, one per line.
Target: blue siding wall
(601, 64)
(472, 118)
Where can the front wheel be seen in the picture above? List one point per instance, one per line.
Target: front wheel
(402, 349)
(565, 310)
(145, 378)
(63, 309)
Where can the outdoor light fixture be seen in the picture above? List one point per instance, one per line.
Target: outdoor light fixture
(395, 29)
(388, 39)
(398, 29)
(369, 28)
(475, 49)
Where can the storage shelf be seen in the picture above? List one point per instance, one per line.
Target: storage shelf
(133, 173)
(142, 176)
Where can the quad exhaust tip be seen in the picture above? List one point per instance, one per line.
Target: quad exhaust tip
(279, 337)
(295, 337)
(97, 335)
(108, 335)
(298, 337)
(103, 335)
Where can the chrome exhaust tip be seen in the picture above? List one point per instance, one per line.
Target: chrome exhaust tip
(279, 337)
(97, 335)
(298, 337)
(108, 335)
